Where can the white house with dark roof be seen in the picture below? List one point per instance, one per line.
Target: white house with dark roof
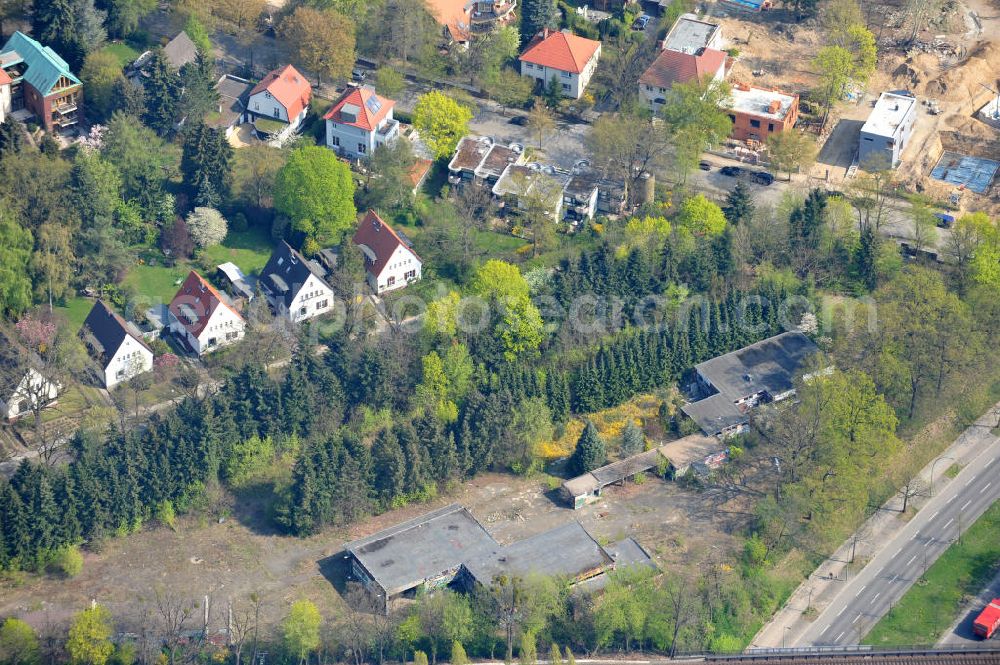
(295, 286)
(359, 122)
(119, 348)
(390, 262)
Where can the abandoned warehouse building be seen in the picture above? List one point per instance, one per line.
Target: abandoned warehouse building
(449, 547)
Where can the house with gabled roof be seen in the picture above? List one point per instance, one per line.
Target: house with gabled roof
(359, 121)
(390, 262)
(294, 285)
(119, 348)
(464, 20)
(279, 103)
(568, 58)
(22, 390)
(670, 67)
(41, 83)
(202, 318)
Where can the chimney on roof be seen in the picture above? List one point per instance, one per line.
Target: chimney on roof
(774, 106)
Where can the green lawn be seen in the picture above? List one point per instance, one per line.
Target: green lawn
(247, 249)
(125, 53)
(928, 609)
(158, 284)
(75, 310)
(250, 250)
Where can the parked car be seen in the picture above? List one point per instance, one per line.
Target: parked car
(704, 166)
(520, 120)
(944, 220)
(359, 75)
(641, 22)
(731, 171)
(761, 178)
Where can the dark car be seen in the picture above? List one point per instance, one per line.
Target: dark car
(521, 120)
(731, 171)
(359, 75)
(704, 166)
(761, 178)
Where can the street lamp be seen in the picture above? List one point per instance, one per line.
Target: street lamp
(934, 466)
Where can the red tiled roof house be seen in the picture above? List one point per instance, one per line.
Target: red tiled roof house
(390, 262)
(279, 103)
(677, 67)
(202, 318)
(568, 58)
(360, 121)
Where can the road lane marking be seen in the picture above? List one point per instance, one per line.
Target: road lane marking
(911, 559)
(894, 578)
(949, 522)
(875, 597)
(856, 618)
(897, 552)
(860, 590)
(990, 462)
(935, 514)
(841, 610)
(986, 487)
(966, 505)
(950, 499)
(929, 541)
(839, 636)
(915, 534)
(969, 482)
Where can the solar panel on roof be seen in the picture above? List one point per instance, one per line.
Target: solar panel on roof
(373, 104)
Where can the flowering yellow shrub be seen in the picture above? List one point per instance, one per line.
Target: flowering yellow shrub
(610, 423)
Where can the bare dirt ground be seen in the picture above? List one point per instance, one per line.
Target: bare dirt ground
(230, 560)
(774, 50)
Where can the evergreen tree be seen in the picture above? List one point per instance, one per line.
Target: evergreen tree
(199, 96)
(163, 92)
(633, 439)
(128, 98)
(11, 136)
(390, 467)
(867, 257)
(54, 24)
(739, 207)
(536, 15)
(590, 452)
(206, 161)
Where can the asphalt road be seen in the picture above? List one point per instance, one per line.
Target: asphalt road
(868, 596)
(961, 633)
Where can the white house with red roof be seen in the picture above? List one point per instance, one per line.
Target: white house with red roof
(279, 103)
(359, 122)
(202, 318)
(390, 262)
(568, 58)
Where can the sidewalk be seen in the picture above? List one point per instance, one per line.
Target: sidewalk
(824, 584)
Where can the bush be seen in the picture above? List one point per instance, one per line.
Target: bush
(68, 561)
(165, 514)
(419, 658)
(207, 226)
(238, 223)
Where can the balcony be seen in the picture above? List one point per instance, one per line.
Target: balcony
(64, 107)
(387, 132)
(486, 14)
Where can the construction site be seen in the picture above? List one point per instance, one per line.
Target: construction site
(949, 63)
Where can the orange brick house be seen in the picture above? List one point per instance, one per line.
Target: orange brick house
(757, 113)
